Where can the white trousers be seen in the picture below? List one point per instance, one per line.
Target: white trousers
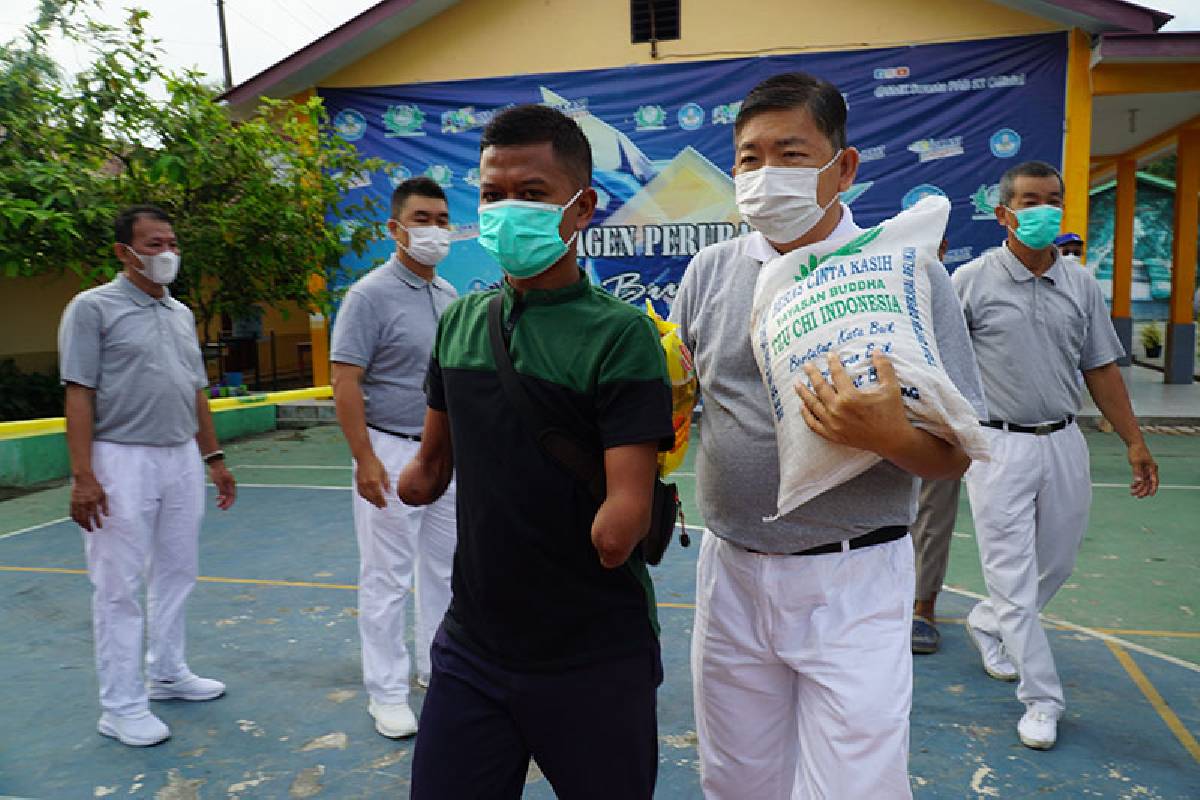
(394, 543)
(802, 672)
(155, 503)
(1030, 504)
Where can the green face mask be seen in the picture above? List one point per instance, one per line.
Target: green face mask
(1037, 225)
(523, 236)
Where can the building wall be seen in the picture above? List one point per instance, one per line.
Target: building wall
(32, 308)
(488, 38)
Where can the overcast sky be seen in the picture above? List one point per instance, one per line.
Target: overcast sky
(262, 32)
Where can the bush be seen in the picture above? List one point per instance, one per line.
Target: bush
(28, 395)
(1152, 335)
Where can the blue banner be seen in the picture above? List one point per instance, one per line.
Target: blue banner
(930, 119)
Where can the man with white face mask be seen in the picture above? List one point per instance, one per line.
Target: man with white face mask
(382, 338)
(800, 654)
(1036, 323)
(138, 428)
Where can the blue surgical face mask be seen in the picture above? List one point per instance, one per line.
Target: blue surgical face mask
(1037, 225)
(523, 236)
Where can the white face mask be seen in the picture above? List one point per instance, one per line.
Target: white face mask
(160, 268)
(427, 245)
(781, 202)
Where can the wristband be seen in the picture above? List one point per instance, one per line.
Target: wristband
(215, 455)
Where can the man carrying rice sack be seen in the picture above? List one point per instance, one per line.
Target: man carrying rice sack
(800, 654)
(1036, 322)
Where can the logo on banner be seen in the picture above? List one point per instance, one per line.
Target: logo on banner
(726, 114)
(398, 175)
(918, 193)
(1005, 143)
(934, 149)
(459, 120)
(359, 180)
(650, 118)
(691, 117)
(440, 174)
(346, 229)
(877, 153)
(890, 73)
(985, 200)
(350, 124)
(958, 255)
(404, 120)
(472, 177)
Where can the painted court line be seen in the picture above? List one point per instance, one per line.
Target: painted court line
(33, 528)
(1096, 634)
(291, 466)
(1165, 711)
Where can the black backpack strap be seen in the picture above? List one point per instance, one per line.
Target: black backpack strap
(557, 442)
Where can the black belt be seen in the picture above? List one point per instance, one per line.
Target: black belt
(878, 536)
(412, 437)
(1037, 430)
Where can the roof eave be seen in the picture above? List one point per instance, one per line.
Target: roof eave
(341, 47)
(1095, 16)
(1176, 47)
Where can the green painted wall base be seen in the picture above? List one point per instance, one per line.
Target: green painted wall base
(30, 460)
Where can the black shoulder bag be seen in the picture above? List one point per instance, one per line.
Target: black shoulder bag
(565, 447)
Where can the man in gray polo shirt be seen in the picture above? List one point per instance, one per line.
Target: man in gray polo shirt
(1036, 323)
(138, 425)
(800, 654)
(382, 339)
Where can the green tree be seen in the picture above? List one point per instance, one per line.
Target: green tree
(258, 204)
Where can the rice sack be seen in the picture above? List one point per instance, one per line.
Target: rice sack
(852, 299)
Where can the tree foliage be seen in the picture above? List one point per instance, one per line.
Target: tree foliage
(257, 204)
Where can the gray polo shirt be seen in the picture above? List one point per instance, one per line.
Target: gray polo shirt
(1033, 335)
(386, 325)
(737, 463)
(141, 355)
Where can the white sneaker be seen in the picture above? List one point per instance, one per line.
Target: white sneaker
(140, 730)
(189, 687)
(995, 660)
(393, 720)
(423, 681)
(1038, 729)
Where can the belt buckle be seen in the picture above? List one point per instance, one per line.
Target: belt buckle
(1043, 430)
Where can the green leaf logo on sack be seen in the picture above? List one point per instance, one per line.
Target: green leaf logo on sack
(403, 120)
(850, 248)
(650, 118)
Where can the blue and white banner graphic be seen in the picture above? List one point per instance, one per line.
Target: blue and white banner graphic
(932, 119)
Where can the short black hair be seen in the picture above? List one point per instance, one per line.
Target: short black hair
(421, 186)
(1030, 169)
(535, 124)
(789, 90)
(128, 217)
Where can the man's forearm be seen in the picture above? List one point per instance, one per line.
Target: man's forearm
(620, 524)
(352, 417)
(1107, 388)
(925, 455)
(79, 411)
(206, 433)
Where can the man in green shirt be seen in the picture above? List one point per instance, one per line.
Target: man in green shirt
(550, 646)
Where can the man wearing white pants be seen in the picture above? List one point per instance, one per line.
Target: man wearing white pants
(1036, 323)
(801, 662)
(382, 340)
(137, 425)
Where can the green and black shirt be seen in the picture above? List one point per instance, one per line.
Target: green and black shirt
(529, 591)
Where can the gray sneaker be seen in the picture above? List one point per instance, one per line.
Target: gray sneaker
(991, 651)
(189, 687)
(137, 730)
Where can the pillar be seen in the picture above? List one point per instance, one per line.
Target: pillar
(318, 328)
(1181, 330)
(1122, 281)
(1077, 138)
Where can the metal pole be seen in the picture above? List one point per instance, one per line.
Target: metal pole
(224, 45)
